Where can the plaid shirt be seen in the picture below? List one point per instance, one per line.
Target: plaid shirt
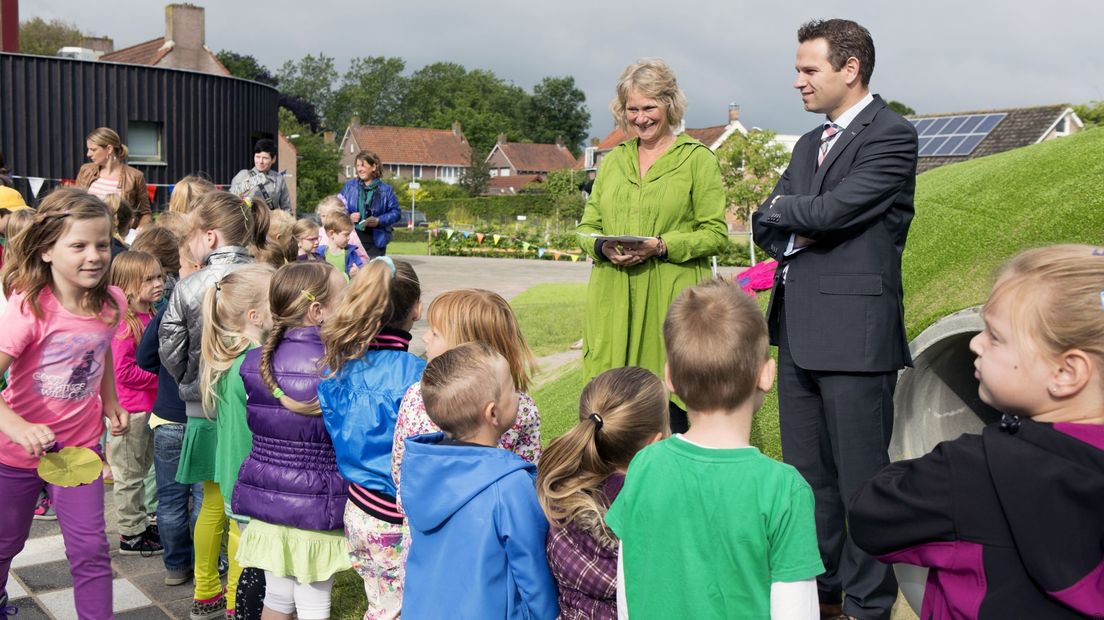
(585, 570)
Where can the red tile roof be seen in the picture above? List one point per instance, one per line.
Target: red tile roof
(511, 184)
(707, 135)
(614, 138)
(148, 53)
(414, 145)
(537, 157)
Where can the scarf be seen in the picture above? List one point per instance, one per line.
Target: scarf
(364, 199)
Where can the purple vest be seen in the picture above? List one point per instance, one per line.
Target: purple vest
(290, 476)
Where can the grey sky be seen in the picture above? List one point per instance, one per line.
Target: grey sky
(936, 56)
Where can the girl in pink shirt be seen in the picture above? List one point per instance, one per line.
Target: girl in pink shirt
(139, 276)
(57, 343)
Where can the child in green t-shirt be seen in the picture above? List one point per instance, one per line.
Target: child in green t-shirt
(338, 227)
(709, 526)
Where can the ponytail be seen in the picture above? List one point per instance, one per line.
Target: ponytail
(383, 293)
(620, 412)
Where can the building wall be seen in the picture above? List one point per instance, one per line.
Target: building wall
(206, 123)
(500, 165)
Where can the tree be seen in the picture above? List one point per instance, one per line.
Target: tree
(563, 186)
(245, 66)
(1092, 113)
(750, 166)
(474, 178)
(558, 109)
(901, 108)
(316, 172)
(312, 79)
(374, 88)
(45, 38)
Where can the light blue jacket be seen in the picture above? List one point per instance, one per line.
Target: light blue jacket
(360, 405)
(478, 534)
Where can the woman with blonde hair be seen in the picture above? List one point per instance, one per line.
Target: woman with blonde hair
(660, 186)
(108, 172)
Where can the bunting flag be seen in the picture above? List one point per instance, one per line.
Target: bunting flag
(574, 258)
(525, 245)
(152, 191)
(479, 238)
(171, 188)
(466, 234)
(540, 252)
(556, 254)
(36, 185)
(449, 233)
(497, 238)
(68, 182)
(433, 232)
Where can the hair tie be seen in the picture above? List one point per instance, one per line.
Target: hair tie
(248, 200)
(278, 393)
(387, 261)
(310, 296)
(1010, 423)
(598, 422)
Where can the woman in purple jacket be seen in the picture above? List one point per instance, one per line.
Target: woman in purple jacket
(371, 204)
(289, 484)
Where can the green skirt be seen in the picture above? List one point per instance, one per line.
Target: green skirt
(197, 453)
(307, 555)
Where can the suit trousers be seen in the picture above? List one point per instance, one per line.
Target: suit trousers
(836, 428)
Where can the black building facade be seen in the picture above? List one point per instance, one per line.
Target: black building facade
(174, 122)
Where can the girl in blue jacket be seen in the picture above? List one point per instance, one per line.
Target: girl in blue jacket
(369, 370)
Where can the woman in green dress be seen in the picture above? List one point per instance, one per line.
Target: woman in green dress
(656, 185)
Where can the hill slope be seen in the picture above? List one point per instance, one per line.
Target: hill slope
(973, 216)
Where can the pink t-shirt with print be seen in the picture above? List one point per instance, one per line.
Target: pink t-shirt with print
(56, 372)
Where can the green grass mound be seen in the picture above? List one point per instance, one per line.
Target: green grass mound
(973, 216)
(551, 315)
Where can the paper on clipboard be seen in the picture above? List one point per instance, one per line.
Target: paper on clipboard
(620, 238)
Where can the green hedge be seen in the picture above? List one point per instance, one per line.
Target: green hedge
(499, 207)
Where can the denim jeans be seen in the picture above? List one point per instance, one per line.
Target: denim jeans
(175, 517)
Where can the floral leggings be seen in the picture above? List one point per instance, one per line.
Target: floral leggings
(375, 550)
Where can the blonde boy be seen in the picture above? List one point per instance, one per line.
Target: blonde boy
(709, 526)
(339, 228)
(327, 207)
(477, 529)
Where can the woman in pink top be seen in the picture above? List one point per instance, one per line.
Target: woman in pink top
(139, 276)
(57, 343)
(108, 173)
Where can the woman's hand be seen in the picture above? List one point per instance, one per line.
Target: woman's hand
(615, 254)
(371, 222)
(643, 250)
(36, 439)
(355, 216)
(118, 417)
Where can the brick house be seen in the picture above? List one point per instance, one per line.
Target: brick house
(514, 165)
(408, 152)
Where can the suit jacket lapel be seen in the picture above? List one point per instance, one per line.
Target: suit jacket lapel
(846, 136)
(807, 162)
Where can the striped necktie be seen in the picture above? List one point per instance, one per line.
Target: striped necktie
(830, 132)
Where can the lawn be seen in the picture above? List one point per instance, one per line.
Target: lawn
(551, 316)
(407, 248)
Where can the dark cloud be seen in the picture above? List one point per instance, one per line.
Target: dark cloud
(940, 55)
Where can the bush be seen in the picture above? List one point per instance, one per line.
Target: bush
(499, 209)
(519, 244)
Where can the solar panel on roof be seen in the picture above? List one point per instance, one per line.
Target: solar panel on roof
(954, 136)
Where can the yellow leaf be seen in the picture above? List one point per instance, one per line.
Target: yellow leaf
(70, 467)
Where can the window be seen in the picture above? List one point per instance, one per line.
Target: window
(416, 172)
(588, 157)
(144, 142)
(1062, 128)
(352, 149)
(348, 171)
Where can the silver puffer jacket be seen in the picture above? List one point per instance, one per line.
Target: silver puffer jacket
(181, 330)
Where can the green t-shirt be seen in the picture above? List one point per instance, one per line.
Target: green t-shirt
(707, 531)
(336, 258)
(235, 438)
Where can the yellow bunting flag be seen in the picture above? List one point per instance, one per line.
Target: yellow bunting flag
(449, 233)
(525, 245)
(574, 258)
(497, 238)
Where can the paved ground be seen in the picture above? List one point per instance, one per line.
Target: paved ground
(40, 584)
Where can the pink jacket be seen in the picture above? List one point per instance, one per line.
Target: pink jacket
(136, 388)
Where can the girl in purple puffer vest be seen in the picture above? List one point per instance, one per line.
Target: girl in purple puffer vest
(289, 485)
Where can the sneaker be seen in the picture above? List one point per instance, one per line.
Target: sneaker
(44, 510)
(209, 609)
(146, 544)
(152, 518)
(223, 566)
(178, 577)
(5, 609)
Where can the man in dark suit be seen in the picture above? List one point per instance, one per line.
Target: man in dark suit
(837, 223)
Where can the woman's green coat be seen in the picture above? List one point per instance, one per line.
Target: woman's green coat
(680, 199)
